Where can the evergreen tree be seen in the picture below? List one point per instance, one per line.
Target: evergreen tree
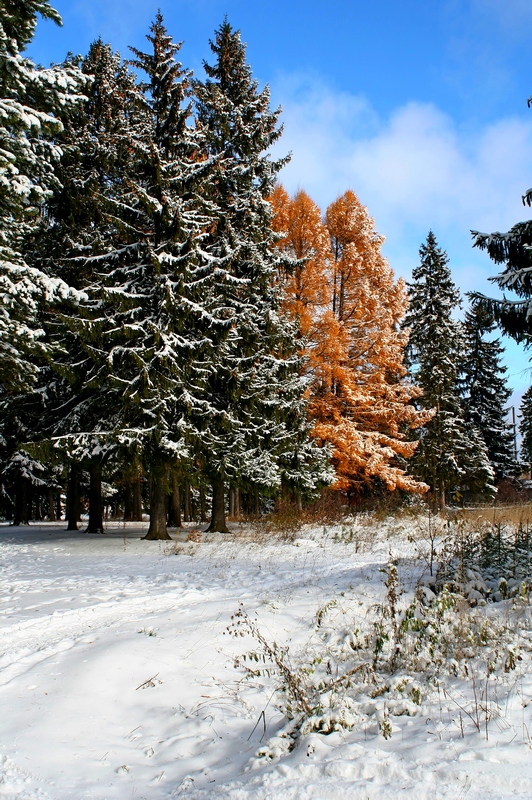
(451, 455)
(254, 429)
(150, 338)
(132, 221)
(525, 429)
(485, 389)
(32, 105)
(78, 229)
(513, 249)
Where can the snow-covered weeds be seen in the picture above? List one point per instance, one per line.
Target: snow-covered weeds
(441, 649)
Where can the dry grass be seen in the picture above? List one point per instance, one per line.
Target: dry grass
(517, 515)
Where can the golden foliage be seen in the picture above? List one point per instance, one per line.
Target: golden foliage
(349, 307)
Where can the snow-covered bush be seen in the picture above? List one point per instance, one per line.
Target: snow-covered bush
(402, 658)
(491, 561)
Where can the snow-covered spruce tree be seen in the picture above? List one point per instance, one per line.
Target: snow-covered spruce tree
(32, 104)
(78, 229)
(147, 332)
(451, 456)
(525, 429)
(255, 427)
(485, 390)
(128, 221)
(167, 276)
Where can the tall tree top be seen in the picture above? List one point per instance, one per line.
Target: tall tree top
(167, 86)
(231, 70)
(433, 296)
(230, 105)
(434, 274)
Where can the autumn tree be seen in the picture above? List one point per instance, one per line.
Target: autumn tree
(306, 240)
(348, 305)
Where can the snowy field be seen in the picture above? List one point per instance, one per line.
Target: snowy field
(117, 676)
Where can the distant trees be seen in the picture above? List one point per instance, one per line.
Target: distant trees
(485, 390)
(525, 429)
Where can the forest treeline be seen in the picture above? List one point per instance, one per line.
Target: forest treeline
(181, 337)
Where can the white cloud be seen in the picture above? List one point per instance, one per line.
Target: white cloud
(416, 168)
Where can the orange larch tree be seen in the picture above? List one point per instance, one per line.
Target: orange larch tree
(306, 240)
(349, 307)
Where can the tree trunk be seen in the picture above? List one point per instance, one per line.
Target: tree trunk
(158, 500)
(95, 497)
(128, 501)
(73, 498)
(237, 502)
(51, 506)
(231, 502)
(187, 515)
(137, 499)
(21, 515)
(299, 502)
(174, 514)
(203, 512)
(37, 503)
(217, 523)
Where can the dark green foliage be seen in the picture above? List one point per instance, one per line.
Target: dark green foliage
(485, 390)
(451, 456)
(525, 428)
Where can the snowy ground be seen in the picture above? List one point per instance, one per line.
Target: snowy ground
(117, 676)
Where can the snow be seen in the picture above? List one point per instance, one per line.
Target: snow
(117, 677)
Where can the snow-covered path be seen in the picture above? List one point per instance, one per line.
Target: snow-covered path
(117, 678)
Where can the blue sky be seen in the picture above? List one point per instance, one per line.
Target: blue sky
(419, 107)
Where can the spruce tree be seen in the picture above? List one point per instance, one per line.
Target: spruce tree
(525, 429)
(451, 456)
(255, 427)
(32, 104)
(131, 220)
(146, 334)
(485, 390)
